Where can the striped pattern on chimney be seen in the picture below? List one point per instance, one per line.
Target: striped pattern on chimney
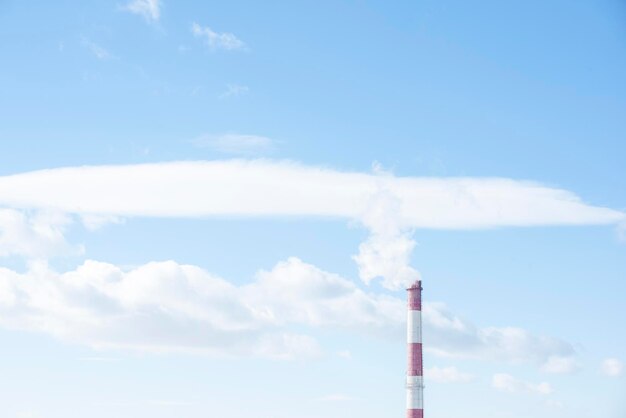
(414, 382)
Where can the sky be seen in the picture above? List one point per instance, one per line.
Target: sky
(212, 209)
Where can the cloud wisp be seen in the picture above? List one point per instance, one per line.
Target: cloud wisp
(612, 367)
(150, 10)
(507, 383)
(215, 40)
(38, 235)
(234, 90)
(621, 231)
(98, 51)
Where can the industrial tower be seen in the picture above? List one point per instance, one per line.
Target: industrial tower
(414, 378)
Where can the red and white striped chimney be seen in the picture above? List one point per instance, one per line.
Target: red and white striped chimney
(414, 378)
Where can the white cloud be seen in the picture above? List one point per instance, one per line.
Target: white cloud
(446, 375)
(507, 383)
(99, 52)
(148, 9)
(297, 292)
(237, 144)
(448, 335)
(215, 40)
(612, 367)
(386, 253)
(34, 235)
(560, 365)
(165, 306)
(389, 206)
(269, 188)
(95, 222)
(234, 90)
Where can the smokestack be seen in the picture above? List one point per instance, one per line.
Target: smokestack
(414, 378)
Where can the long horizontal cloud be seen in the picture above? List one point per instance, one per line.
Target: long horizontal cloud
(164, 306)
(389, 207)
(267, 188)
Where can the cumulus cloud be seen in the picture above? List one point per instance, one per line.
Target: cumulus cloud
(507, 383)
(34, 235)
(148, 9)
(612, 367)
(215, 40)
(446, 375)
(449, 335)
(236, 144)
(166, 306)
(389, 206)
(298, 292)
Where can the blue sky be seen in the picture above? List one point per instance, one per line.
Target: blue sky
(235, 194)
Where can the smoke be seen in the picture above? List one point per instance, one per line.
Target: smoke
(386, 253)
